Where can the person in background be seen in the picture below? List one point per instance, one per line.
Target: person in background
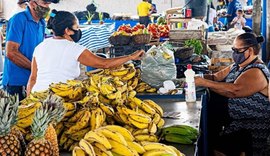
(239, 21)
(212, 18)
(21, 6)
(239, 124)
(144, 10)
(154, 7)
(25, 30)
(233, 6)
(58, 59)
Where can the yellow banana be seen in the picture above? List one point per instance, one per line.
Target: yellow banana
(87, 147)
(75, 144)
(152, 128)
(106, 89)
(148, 146)
(28, 101)
(59, 128)
(126, 134)
(147, 108)
(91, 89)
(151, 90)
(176, 151)
(129, 75)
(69, 106)
(154, 105)
(140, 118)
(137, 147)
(77, 151)
(143, 112)
(25, 122)
(79, 135)
(122, 89)
(99, 152)
(107, 109)
(92, 136)
(132, 94)
(123, 117)
(77, 116)
(161, 123)
(137, 124)
(74, 82)
(103, 99)
(77, 92)
(118, 82)
(122, 149)
(156, 118)
(158, 152)
(63, 139)
(140, 131)
(146, 137)
(120, 72)
(69, 114)
(67, 144)
(137, 101)
(116, 95)
(113, 135)
(97, 118)
(26, 110)
(82, 123)
(100, 146)
(135, 83)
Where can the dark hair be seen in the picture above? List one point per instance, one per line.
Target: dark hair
(59, 21)
(240, 10)
(250, 39)
(212, 5)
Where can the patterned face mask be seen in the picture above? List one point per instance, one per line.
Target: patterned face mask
(41, 11)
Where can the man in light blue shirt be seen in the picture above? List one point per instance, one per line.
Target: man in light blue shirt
(25, 30)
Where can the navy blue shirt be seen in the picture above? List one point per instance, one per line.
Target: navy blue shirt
(28, 33)
(232, 8)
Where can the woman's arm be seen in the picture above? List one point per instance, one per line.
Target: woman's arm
(219, 76)
(87, 58)
(33, 77)
(248, 83)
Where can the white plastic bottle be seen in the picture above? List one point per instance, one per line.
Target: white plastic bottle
(190, 88)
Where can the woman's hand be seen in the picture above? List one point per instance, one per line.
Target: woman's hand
(137, 55)
(199, 81)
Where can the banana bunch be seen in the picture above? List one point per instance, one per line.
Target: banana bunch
(116, 140)
(72, 90)
(182, 134)
(144, 87)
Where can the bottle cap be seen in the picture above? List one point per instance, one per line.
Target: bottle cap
(189, 66)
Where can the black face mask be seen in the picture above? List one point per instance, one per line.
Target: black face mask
(77, 35)
(41, 11)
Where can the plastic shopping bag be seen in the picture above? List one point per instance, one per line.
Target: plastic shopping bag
(158, 66)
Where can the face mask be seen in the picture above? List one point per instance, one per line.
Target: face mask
(239, 58)
(77, 35)
(41, 11)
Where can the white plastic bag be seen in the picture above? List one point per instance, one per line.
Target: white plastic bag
(158, 66)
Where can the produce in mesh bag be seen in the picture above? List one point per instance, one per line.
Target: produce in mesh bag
(158, 66)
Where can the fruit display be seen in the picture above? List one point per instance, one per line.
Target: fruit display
(116, 140)
(181, 134)
(158, 30)
(164, 30)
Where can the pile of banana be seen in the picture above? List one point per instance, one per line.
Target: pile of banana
(181, 134)
(115, 140)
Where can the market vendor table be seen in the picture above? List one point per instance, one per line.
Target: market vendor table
(189, 115)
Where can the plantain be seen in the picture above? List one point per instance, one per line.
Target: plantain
(82, 123)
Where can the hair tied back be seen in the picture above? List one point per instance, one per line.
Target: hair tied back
(260, 39)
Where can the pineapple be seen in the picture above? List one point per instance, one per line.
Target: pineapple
(9, 143)
(55, 103)
(39, 145)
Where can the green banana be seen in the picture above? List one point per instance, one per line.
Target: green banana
(176, 138)
(181, 130)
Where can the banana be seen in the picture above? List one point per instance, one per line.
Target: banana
(121, 149)
(69, 114)
(25, 122)
(106, 89)
(107, 109)
(154, 105)
(146, 137)
(139, 110)
(131, 73)
(63, 139)
(59, 128)
(75, 144)
(120, 72)
(82, 123)
(161, 123)
(91, 89)
(118, 82)
(176, 138)
(137, 147)
(87, 147)
(97, 118)
(103, 99)
(99, 152)
(140, 118)
(69, 106)
(122, 89)
(156, 118)
(158, 152)
(26, 110)
(129, 128)
(74, 82)
(113, 135)
(152, 128)
(123, 117)
(147, 108)
(151, 90)
(79, 135)
(126, 134)
(92, 136)
(181, 130)
(137, 124)
(140, 131)
(137, 101)
(148, 146)
(77, 151)
(135, 82)
(95, 72)
(176, 151)
(95, 80)
(28, 101)
(100, 146)
(77, 92)
(77, 116)
(67, 144)
(116, 95)
(132, 94)
(126, 111)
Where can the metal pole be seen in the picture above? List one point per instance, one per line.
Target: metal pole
(171, 3)
(264, 29)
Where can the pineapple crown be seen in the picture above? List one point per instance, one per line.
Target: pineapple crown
(8, 112)
(55, 104)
